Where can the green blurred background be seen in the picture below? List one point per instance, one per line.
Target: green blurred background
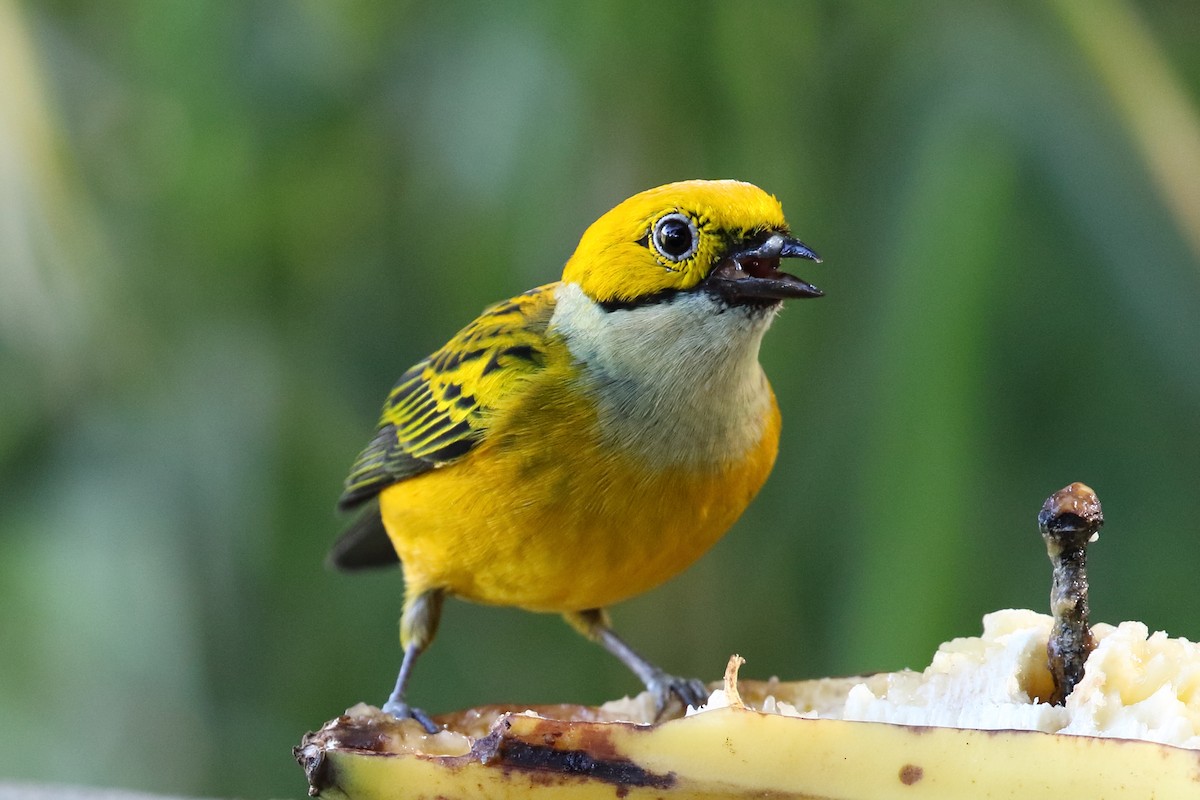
(227, 228)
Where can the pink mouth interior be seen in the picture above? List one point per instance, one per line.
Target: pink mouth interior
(735, 268)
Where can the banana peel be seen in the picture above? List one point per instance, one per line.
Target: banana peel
(736, 753)
(737, 750)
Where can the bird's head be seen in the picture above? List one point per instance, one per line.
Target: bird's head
(722, 237)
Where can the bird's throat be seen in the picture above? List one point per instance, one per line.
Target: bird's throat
(677, 382)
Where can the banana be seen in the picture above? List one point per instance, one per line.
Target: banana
(773, 739)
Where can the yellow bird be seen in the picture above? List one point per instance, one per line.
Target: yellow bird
(589, 439)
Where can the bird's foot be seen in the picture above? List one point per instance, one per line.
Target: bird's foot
(690, 691)
(402, 710)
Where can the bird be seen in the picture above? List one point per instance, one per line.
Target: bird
(587, 440)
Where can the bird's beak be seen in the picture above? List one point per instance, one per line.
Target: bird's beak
(752, 272)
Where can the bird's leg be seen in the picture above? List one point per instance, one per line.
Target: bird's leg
(595, 625)
(418, 625)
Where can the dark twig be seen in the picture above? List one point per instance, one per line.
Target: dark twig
(1069, 520)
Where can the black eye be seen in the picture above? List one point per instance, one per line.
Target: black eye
(675, 237)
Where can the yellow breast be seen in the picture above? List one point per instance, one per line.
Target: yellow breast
(567, 524)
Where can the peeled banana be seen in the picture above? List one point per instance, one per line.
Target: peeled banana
(972, 725)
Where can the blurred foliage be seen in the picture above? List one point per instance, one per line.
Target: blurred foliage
(226, 228)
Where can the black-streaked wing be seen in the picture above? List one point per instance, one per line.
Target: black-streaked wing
(438, 410)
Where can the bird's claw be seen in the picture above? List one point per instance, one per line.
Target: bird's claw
(690, 691)
(405, 711)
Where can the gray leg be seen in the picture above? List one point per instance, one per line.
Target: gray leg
(417, 628)
(594, 624)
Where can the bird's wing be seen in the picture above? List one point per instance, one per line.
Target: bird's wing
(439, 410)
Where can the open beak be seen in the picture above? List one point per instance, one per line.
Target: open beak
(752, 273)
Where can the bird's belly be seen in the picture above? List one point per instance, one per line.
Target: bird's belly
(567, 526)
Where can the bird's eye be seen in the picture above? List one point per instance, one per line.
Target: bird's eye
(675, 237)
